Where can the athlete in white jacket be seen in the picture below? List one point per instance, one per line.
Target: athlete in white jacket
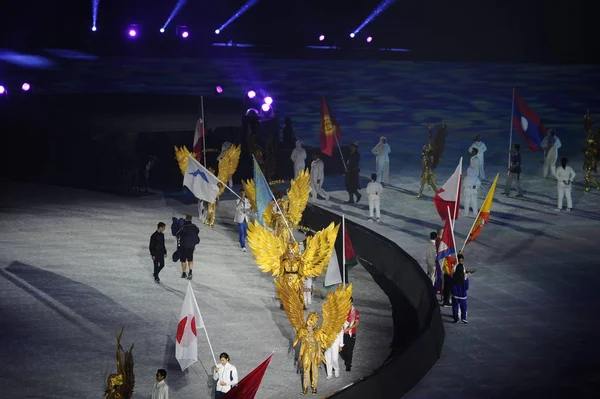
(226, 376)
(565, 176)
(317, 175)
(550, 144)
(382, 160)
(374, 189)
(332, 355)
(298, 157)
(242, 209)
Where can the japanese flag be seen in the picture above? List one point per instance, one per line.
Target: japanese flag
(190, 321)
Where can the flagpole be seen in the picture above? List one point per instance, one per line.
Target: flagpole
(470, 231)
(343, 248)
(210, 346)
(451, 227)
(276, 203)
(340, 149)
(203, 130)
(457, 192)
(512, 115)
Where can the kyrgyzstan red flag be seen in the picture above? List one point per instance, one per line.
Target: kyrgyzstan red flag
(190, 321)
(329, 129)
(198, 138)
(248, 386)
(449, 195)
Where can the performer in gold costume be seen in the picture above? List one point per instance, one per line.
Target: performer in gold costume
(591, 152)
(314, 340)
(291, 208)
(120, 385)
(430, 157)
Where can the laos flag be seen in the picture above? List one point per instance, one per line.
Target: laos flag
(528, 124)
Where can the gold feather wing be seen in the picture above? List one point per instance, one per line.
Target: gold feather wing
(298, 197)
(228, 164)
(335, 311)
(182, 154)
(293, 305)
(266, 247)
(269, 214)
(318, 251)
(249, 188)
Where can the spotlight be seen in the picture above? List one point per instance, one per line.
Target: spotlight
(321, 38)
(265, 107)
(94, 29)
(352, 35)
(219, 89)
(251, 94)
(2, 90)
(185, 34)
(242, 10)
(369, 39)
(26, 86)
(162, 30)
(217, 31)
(132, 32)
(268, 100)
(380, 8)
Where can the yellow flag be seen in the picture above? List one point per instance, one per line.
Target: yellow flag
(484, 213)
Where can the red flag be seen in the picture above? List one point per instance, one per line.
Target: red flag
(449, 195)
(329, 129)
(198, 136)
(350, 254)
(248, 386)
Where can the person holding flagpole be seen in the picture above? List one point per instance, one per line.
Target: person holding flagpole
(226, 376)
(352, 178)
(460, 286)
(242, 208)
(514, 172)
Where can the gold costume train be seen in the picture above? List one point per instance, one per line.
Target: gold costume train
(121, 384)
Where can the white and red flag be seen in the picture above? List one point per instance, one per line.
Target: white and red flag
(190, 321)
(198, 139)
(449, 195)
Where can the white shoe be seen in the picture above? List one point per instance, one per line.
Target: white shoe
(337, 373)
(557, 210)
(378, 220)
(328, 377)
(244, 249)
(370, 219)
(568, 209)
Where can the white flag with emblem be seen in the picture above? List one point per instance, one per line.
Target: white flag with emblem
(200, 181)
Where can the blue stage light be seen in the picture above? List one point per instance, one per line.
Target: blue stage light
(238, 14)
(380, 8)
(178, 6)
(95, 4)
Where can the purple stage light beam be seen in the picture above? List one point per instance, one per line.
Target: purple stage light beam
(95, 4)
(380, 8)
(238, 14)
(178, 7)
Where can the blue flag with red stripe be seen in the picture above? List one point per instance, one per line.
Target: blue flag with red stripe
(528, 124)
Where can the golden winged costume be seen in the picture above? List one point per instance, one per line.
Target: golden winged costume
(315, 340)
(282, 259)
(120, 385)
(292, 207)
(430, 157)
(591, 152)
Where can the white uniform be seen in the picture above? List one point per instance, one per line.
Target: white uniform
(332, 354)
(471, 185)
(374, 190)
(160, 390)
(551, 155)
(481, 148)
(564, 189)
(308, 283)
(298, 157)
(227, 374)
(317, 175)
(382, 161)
(430, 255)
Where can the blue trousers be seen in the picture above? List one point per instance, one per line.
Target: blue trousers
(243, 227)
(463, 308)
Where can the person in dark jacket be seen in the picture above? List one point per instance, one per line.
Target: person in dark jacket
(158, 250)
(352, 179)
(460, 286)
(188, 238)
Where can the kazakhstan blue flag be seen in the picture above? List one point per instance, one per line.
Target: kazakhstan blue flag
(263, 191)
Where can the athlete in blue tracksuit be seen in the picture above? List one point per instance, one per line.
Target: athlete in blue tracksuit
(460, 286)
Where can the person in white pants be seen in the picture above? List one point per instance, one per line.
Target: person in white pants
(481, 149)
(298, 157)
(308, 285)
(374, 189)
(332, 355)
(550, 144)
(471, 185)
(382, 160)
(565, 176)
(317, 175)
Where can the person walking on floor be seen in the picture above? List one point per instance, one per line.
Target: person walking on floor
(160, 390)
(460, 286)
(298, 157)
(471, 185)
(550, 144)
(374, 189)
(481, 149)
(382, 160)
(352, 178)
(188, 236)
(242, 208)
(158, 250)
(226, 376)
(353, 320)
(430, 254)
(564, 176)
(514, 171)
(317, 176)
(332, 355)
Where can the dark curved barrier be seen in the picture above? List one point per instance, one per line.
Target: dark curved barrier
(418, 326)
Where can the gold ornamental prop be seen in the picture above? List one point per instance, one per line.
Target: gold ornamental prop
(430, 157)
(228, 164)
(121, 384)
(591, 153)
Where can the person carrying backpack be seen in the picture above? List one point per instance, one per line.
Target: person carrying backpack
(187, 238)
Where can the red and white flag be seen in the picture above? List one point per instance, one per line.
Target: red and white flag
(198, 136)
(449, 195)
(248, 386)
(190, 321)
